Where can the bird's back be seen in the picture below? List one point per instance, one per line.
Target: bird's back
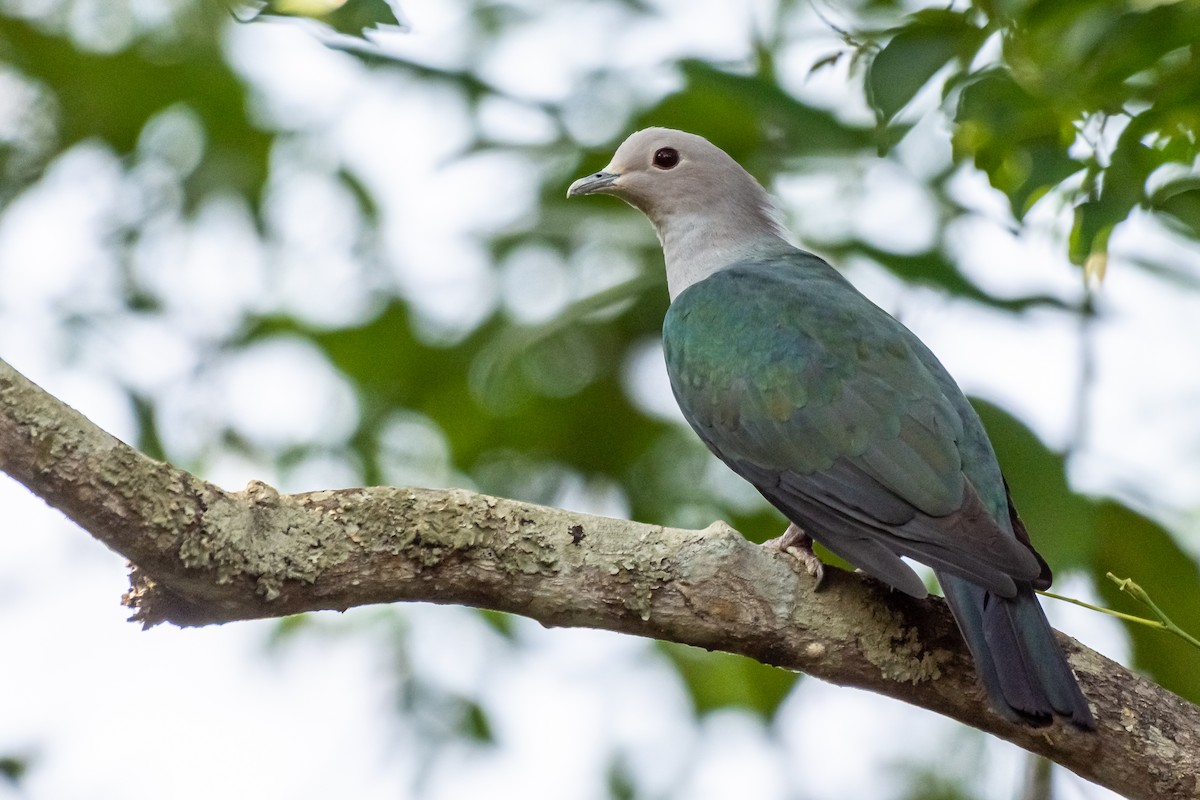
(843, 419)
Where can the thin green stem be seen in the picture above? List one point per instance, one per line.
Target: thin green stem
(1130, 588)
(1126, 585)
(1150, 623)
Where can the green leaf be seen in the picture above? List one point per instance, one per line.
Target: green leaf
(366, 201)
(740, 112)
(914, 55)
(621, 785)
(1179, 203)
(720, 680)
(1122, 189)
(475, 725)
(500, 622)
(1086, 57)
(1133, 546)
(1060, 522)
(356, 16)
(348, 17)
(13, 768)
(930, 782)
(1090, 231)
(287, 629)
(1075, 532)
(1019, 141)
(935, 268)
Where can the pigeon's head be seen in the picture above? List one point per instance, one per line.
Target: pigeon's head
(707, 210)
(658, 168)
(675, 177)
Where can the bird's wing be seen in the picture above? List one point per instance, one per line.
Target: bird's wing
(827, 405)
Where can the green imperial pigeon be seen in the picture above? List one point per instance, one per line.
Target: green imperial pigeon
(838, 414)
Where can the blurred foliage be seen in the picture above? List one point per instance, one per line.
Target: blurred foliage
(1092, 105)
(929, 784)
(621, 785)
(1083, 533)
(440, 714)
(721, 680)
(13, 768)
(349, 17)
(1041, 118)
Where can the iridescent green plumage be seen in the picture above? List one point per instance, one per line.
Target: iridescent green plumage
(838, 414)
(851, 427)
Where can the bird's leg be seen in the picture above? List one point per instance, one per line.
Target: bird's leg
(799, 545)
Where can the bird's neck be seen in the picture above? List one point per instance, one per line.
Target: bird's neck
(696, 247)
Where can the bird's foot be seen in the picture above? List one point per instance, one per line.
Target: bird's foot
(799, 545)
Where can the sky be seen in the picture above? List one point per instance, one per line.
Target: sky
(106, 710)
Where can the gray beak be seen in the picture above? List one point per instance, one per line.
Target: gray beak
(599, 183)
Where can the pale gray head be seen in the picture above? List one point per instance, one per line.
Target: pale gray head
(707, 210)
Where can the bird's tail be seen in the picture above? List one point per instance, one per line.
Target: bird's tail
(1020, 664)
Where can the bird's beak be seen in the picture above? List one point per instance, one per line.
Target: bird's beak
(601, 183)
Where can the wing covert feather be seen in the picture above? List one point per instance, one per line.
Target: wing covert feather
(833, 411)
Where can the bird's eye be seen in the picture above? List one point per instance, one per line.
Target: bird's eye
(666, 157)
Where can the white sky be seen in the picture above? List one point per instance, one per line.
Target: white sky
(109, 711)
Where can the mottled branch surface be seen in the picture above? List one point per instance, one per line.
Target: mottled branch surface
(203, 555)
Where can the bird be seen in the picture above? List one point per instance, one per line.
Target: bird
(838, 415)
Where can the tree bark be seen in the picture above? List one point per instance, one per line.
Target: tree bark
(202, 555)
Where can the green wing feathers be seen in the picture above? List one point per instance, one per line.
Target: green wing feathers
(841, 418)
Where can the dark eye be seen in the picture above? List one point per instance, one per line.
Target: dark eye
(666, 157)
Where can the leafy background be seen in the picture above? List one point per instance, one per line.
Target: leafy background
(326, 245)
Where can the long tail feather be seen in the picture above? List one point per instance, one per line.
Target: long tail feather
(1019, 661)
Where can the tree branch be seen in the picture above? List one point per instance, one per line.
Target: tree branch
(203, 555)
